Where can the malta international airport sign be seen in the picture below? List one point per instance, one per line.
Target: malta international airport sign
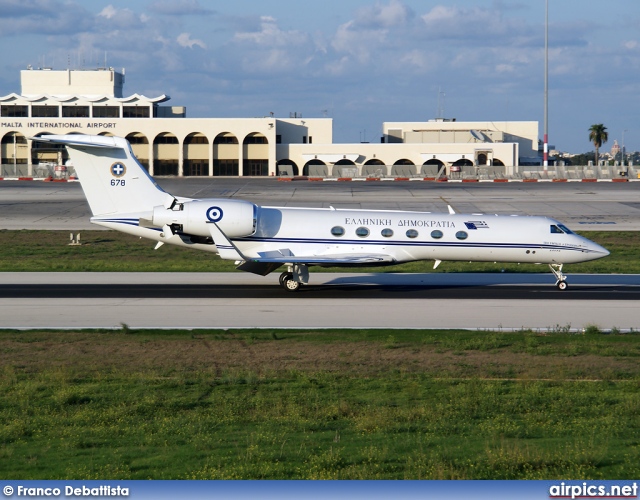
(72, 125)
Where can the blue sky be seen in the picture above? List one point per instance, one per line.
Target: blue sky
(360, 62)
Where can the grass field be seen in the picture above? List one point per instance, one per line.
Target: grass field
(114, 251)
(330, 404)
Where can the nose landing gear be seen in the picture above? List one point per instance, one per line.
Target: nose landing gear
(561, 282)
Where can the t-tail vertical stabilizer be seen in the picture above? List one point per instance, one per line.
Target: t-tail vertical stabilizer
(112, 179)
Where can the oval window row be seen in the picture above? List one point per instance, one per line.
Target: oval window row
(363, 232)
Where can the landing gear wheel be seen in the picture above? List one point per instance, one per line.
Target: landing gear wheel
(285, 275)
(556, 269)
(288, 283)
(291, 285)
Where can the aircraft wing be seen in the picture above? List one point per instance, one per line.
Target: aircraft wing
(326, 258)
(269, 261)
(266, 264)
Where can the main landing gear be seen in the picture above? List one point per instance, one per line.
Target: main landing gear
(294, 277)
(288, 283)
(561, 279)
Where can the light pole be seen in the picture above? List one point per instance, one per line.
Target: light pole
(622, 154)
(546, 88)
(15, 166)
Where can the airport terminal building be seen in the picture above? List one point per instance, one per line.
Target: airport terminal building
(166, 142)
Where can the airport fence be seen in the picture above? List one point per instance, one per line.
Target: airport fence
(38, 171)
(379, 172)
(469, 173)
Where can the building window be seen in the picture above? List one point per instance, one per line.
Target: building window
(278, 139)
(135, 112)
(15, 111)
(195, 167)
(310, 139)
(75, 111)
(165, 167)
(196, 139)
(166, 139)
(255, 139)
(106, 112)
(45, 111)
(137, 139)
(226, 139)
(255, 167)
(225, 167)
(13, 136)
(304, 139)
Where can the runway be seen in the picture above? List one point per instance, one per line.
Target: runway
(238, 300)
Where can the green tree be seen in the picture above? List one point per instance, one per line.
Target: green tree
(598, 135)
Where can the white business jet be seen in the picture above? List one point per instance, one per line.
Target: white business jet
(123, 196)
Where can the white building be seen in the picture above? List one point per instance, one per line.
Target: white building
(166, 142)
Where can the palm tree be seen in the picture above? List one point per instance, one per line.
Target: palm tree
(598, 135)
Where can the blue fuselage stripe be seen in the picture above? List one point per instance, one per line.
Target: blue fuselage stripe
(367, 242)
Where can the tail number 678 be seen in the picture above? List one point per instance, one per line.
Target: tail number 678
(117, 182)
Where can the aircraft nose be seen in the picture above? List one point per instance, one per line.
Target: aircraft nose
(599, 249)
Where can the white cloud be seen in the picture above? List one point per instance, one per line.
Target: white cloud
(185, 40)
(120, 18)
(109, 11)
(272, 50)
(395, 13)
(27, 17)
(477, 25)
(270, 35)
(358, 43)
(419, 61)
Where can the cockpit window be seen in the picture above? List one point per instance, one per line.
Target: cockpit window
(565, 229)
(555, 229)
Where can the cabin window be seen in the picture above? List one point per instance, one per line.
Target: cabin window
(462, 235)
(555, 229)
(387, 233)
(412, 233)
(363, 232)
(565, 229)
(437, 234)
(337, 231)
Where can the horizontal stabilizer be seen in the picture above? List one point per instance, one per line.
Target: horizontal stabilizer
(93, 141)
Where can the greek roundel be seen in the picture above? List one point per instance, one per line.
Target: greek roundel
(214, 214)
(118, 169)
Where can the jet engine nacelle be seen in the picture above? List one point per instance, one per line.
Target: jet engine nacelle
(235, 218)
